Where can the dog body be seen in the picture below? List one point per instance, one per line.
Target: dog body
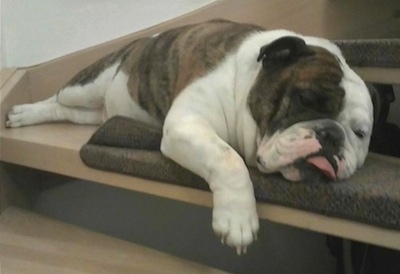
(226, 95)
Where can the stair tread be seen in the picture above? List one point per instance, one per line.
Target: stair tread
(31, 243)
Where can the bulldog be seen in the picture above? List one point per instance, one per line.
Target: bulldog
(228, 95)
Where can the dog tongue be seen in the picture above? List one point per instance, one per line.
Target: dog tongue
(323, 164)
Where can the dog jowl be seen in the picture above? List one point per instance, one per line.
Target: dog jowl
(227, 96)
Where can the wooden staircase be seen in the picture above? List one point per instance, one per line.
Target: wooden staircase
(32, 244)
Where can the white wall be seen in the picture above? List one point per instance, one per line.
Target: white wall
(34, 31)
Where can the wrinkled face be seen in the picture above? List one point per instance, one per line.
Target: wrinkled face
(313, 112)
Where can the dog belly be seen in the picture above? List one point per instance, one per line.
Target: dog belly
(118, 101)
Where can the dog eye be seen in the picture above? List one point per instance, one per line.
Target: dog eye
(360, 133)
(307, 98)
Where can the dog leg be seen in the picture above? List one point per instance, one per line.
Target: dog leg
(51, 110)
(193, 143)
(78, 102)
(81, 103)
(91, 94)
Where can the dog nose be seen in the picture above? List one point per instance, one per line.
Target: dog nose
(332, 135)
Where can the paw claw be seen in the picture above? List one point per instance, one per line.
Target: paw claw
(236, 228)
(239, 251)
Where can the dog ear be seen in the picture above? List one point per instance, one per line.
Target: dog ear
(377, 104)
(285, 49)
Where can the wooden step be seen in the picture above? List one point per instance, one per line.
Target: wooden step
(31, 243)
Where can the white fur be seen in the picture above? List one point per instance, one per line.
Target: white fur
(283, 148)
(358, 115)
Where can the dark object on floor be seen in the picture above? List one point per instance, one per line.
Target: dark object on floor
(386, 136)
(369, 259)
(386, 140)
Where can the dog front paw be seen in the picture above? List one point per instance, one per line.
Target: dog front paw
(236, 223)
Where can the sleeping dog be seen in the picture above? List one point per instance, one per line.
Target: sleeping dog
(228, 95)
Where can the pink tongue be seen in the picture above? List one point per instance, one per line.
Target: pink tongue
(323, 164)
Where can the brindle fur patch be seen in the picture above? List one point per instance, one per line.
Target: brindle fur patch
(160, 68)
(307, 89)
(90, 73)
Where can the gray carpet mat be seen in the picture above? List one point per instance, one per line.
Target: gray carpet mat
(371, 196)
(371, 52)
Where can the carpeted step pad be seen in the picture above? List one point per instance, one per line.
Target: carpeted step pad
(371, 196)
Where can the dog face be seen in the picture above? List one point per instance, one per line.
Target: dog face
(313, 112)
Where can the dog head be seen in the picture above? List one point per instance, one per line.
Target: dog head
(314, 114)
